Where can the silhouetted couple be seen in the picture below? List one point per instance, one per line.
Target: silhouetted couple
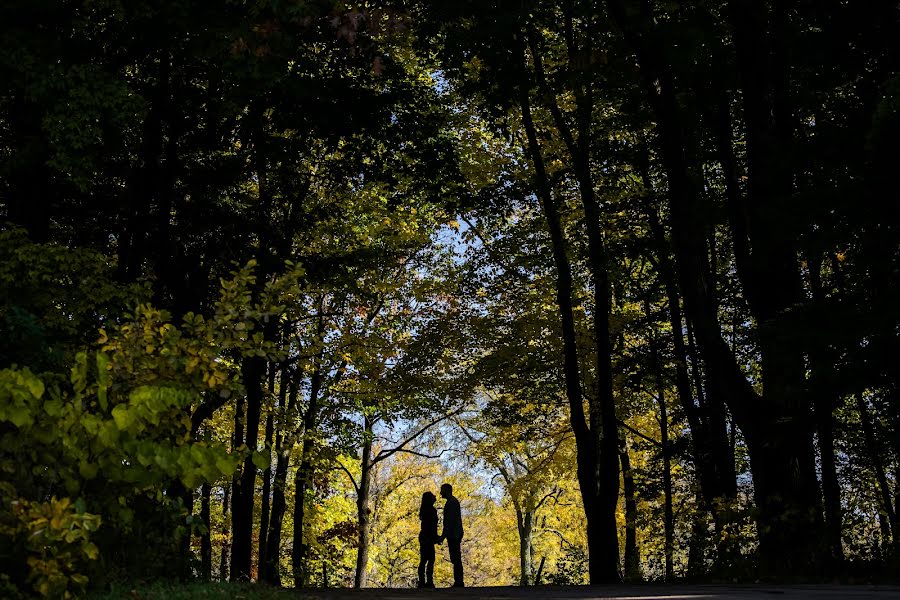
(428, 536)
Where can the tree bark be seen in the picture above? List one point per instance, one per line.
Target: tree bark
(270, 571)
(884, 490)
(225, 558)
(266, 494)
(603, 542)
(525, 528)
(363, 512)
(205, 541)
(301, 479)
(586, 446)
(252, 371)
(776, 425)
(629, 491)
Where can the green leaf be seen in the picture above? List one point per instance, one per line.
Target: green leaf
(19, 415)
(122, 416)
(87, 469)
(35, 386)
(102, 379)
(261, 460)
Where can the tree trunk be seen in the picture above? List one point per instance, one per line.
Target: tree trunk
(270, 571)
(696, 565)
(824, 401)
(525, 528)
(584, 441)
(603, 541)
(252, 371)
(205, 541)
(775, 425)
(264, 500)
(668, 514)
(884, 490)
(632, 556)
(301, 479)
(225, 557)
(363, 512)
(787, 490)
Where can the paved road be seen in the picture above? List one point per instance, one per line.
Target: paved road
(647, 592)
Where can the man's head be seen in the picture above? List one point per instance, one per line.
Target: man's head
(446, 491)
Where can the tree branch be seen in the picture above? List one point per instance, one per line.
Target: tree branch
(385, 454)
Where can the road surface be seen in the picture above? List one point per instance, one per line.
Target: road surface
(623, 592)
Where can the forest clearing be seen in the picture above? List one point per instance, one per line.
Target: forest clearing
(298, 296)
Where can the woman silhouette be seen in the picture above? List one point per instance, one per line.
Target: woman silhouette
(428, 537)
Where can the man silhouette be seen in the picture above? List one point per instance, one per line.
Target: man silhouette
(453, 532)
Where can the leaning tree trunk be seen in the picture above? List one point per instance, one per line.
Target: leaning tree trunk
(586, 455)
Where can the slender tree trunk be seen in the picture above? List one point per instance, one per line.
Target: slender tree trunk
(668, 514)
(225, 558)
(539, 576)
(205, 541)
(525, 528)
(252, 371)
(266, 494)
(584, 440)
(270, 571)
(884, 490)
(603, 541)
(824, 401)
(696, 566)
(301, 479)
(632, 556)
(363, 512)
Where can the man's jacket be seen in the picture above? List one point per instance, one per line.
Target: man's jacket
(453, 529)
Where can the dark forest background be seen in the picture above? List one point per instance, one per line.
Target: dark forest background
(633, 265)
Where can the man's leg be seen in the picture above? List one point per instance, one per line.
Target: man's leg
(456, 559)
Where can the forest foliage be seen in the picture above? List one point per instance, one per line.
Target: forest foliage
(624, 272)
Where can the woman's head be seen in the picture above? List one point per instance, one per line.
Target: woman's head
(428, 500)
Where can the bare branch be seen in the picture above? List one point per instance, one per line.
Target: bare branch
(385, 454)
(340, 466)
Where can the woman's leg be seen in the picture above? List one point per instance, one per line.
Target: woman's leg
(429, 568)
(423, 561)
